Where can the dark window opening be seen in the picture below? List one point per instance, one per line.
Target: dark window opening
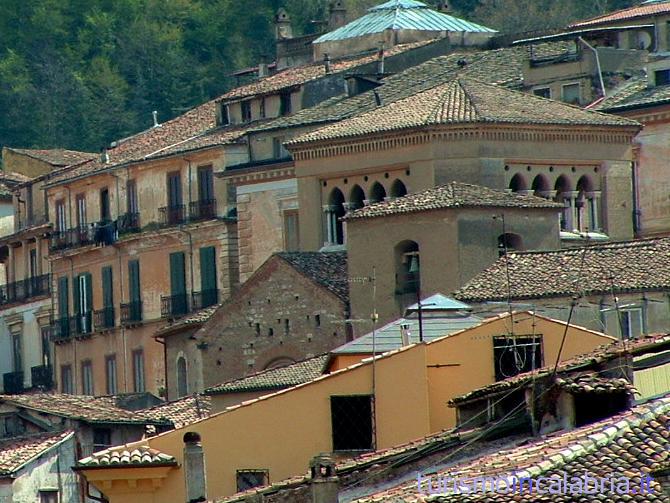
(407, 268)
(351, 419)
(517, 183)
(377, 193)
(516, 354)
(509, 242)
(105, 212)
(248, 479)
(317, 320)
(102, 439)
(398, 189)
(591, 407)
(246, 111)
(285, 103)
(662, 77)
(543, 92)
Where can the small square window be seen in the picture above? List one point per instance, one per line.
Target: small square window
(246, 111)
(248, 479)
(571, 94)
(543, 92)
(48, 495)
(662, 77)
(351, 420)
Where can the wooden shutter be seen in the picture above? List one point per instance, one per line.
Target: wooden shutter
(107, 287)
(134, 280)
(76, 295)
(174, 189)
(205, 183)
(208, 268)
(177, 273)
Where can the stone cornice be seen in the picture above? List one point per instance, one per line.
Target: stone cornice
(257, 176)
(477, 132)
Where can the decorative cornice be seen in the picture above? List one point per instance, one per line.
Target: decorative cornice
(477, 132)
(261, 175)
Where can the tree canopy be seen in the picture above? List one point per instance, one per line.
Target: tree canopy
(80, 73)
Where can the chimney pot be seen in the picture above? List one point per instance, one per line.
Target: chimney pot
(326, 63)
(324, 479)
(154, 114)
(194, 468)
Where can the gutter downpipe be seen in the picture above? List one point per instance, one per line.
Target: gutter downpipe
(600, 72)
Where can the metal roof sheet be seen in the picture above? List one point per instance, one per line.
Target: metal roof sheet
(401, 15)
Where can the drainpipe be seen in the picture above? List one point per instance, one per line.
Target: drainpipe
(600, 72)
(161, 340)
(637, 212)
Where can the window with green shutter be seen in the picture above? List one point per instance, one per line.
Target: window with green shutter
(208, 285)
(107, 319)
(134, 308)
(179, 303)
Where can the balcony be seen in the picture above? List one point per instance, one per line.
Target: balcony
(172, 215)
(81, 324)
(206, 298)
(33, 221)
(202, 210)
(13, 382)
(104, 318)
(72, 238)
(60, 330)
(128, 222)
(42, 377)
(173, 306)
(131, 313)
(21, 291)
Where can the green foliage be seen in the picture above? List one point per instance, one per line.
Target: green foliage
(81, 73)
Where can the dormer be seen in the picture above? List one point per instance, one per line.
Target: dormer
(658, 73)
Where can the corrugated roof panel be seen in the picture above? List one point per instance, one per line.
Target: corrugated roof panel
(401, 15)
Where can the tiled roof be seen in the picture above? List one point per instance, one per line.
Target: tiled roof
(599, 355)
(451, 195)
(647, 9)
(299, 75)
(592, 383)
(463, 101)
(126, 456)
(56, 157)
(16, 452)
(401, 15)
(501, 66)
(101, 409)
(629, 266)
(194, 319)
(181, 412)
(631, 444)
(635, 93)
(275, 379)
(329, 269)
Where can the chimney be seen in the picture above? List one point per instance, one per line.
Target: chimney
(326, 63)
(263, 70)
(380, 60)
(405, 334)
(378, 99)
(154, 114)
(104, 156)
(194, 468)
(338, 14)
(283, 28)
(324, 479)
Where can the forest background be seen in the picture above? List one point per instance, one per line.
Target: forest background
(80, 73)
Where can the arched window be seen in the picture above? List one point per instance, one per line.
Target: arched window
(586, 206)
(282, 361)
(182, 377)
(377, 193)
(518, 183)
(540, 186)
(563, 190)
(398, 189)
(334, 211)
(407, 267)
(509, 242)
(356, 198)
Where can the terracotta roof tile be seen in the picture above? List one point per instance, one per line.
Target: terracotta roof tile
(633, 444)
(329, 269)
(127, 456)
(635, 93)
(452, 195)
(592, 383)
(193, 319)
(58, 157)
(101, 409)
(16, 452)
(181, 412)
(651, 9)
(274, 379)
(463, 101)
(628, 266)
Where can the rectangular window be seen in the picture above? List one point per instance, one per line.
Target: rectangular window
(246, 111)
(209, 290)
(543, 92)
(83, 302)
(107, 287)
(66, 384)
(224, 115)
(110, 374)
(662, 77)
(262, 111)
(138, 371)
(131, 197)
(87, 377)
(291, 231)
(61, 224)
(351, 420)
(571, 94)
(248, 479)
(17, 352)
(515, 355)
(81, 210)
(48, 496)
(102, 439)
(63, 324)
(45, 332)
(285, 103)
(134, 281)
(33, 264)
(175, 200)
(632, 324)
(178, 284)
(29, 204)
(105, 211)
(205, 183)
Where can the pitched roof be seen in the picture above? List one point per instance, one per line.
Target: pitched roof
(606, 352)
(631, 444)
(628, 266)
(9, 180)
(647, 9)
(401, 15)
(17, 451)
(275, 379)
(192, 320)
(463, 101)
(126, 456)
(635, 93)
(328, 269)
(100, 409)
(298, 75)
(181, 412)
(57, 157)
(451, 195)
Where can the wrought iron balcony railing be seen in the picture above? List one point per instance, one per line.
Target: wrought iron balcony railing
(206, 298)
(60, 330)
(131, 312)
(81, 324)
(20, 291)
(173, 306)
(202, 210)
(128, 222)
(103, 318)
(172, 215)
(42, 377)
(13, 382)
